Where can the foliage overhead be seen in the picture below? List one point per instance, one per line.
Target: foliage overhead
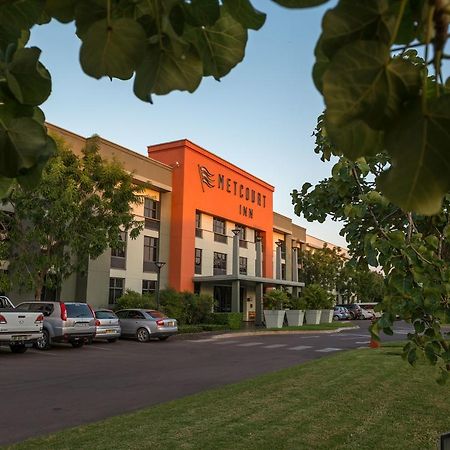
(77, 211)
(413, 250)
(377, 91)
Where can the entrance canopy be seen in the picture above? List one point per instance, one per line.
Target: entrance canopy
(247, 279)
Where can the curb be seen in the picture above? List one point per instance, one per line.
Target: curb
(226, 335)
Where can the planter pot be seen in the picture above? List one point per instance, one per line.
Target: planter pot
(326, 316)
(274, 318)
(295, 317)
(313, 316)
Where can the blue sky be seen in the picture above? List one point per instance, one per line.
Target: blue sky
(259, 117)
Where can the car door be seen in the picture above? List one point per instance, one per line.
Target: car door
(125, 321)
(137, 320)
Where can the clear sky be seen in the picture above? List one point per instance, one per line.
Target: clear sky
(259, 117)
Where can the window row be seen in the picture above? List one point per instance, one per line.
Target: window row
(151, 253)
(219, 263)
(117, 288)
(219, 230)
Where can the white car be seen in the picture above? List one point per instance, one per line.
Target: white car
(366, 314)
(19, 329)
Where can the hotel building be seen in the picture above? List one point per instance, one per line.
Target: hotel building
(209, 221)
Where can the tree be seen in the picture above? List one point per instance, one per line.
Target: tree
(76, 212)
(360, 284)
(321, 266)
(412, 250)
(377, 92)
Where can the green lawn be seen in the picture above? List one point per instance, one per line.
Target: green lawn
(362, 399)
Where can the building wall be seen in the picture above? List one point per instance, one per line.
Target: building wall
(229, 193)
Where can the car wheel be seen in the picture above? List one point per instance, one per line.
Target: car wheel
(112, 340)
(163, 338)
(77, 344)
(18, 348)
(335, 317)
(44, 342)
(142, 335)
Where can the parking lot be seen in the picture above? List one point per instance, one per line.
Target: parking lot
(47, 391)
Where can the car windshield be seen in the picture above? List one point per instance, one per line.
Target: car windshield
(81, 310)
(105, 315)
(156, 314)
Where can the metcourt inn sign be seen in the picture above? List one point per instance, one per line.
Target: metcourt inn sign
(207, 179)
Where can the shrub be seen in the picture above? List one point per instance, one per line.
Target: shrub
(297, 303)
(232, 321)
(132, 299)
(190, 329)
(275, 299)
(316, 297)
(170, 303)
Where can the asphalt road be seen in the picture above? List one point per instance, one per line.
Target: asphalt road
(42, 392)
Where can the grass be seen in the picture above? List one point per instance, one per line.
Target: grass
(361, 399)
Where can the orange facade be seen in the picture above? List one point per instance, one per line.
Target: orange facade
(202, 181)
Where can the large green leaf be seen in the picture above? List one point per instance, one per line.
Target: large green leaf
(113, 50)
(30, 178)
(163, 71)
(355, 139)
(221, 46)
(363, 82)
(62, 10)
(350, 20)
(320, 66)
(22, 142)
(419, 145)
(27, 78)
(300, 3)
(87, 13)
(16, 16)
(244, 12)
(205, 12)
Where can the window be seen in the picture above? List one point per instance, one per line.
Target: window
(198, 224)
(151, 208)
(220, 264)
(283, 249)
(283, 271)
(118, 255)
(150, 253)
(219, 229)
(242, 235)
(197, 288)
(198, 261)
(148, 287)
(116, 286)
(151, 214)
(242, 265)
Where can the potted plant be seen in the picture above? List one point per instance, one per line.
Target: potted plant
(315, 296)
(274, 300)
(296, 314)
(327, 309)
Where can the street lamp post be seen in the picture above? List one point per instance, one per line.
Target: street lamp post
(159, 265)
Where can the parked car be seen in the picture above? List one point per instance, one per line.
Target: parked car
(144, 324)
(366, 315)
(69, 322)
(19, 329)
(107, 325)
(341, 313)
(353, 309)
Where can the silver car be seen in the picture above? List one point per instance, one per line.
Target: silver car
(107, 325)
(73, 323)
(144, 324)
